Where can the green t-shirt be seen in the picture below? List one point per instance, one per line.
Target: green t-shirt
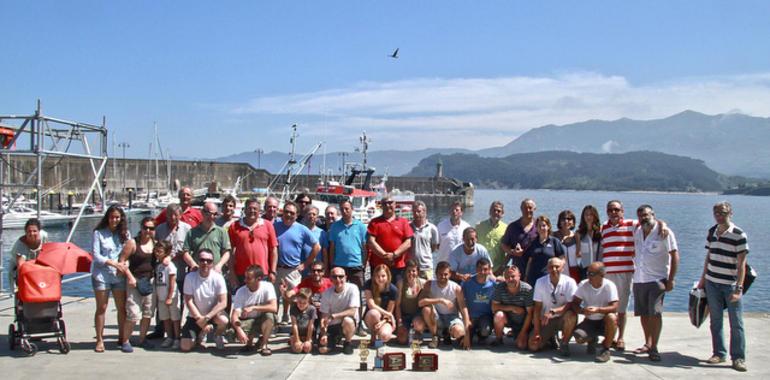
(216, 240)
(490, 238)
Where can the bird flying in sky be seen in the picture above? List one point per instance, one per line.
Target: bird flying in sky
(395, 54)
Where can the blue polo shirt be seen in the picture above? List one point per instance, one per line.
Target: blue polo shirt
(348, 240)
(291, 241)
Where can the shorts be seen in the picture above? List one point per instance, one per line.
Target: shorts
(513, 321)
(407, 319)
(138, 306)
(589, 329)
(116, 283)
(172, 311)
(426, 274)
(355, 276)
(253, 326)
(190, 330)
(446, 321)
(482, 326)
(396, 274)
(334, 333)
(648, 298)
(292, 276)
(548, 331)
(623, 283)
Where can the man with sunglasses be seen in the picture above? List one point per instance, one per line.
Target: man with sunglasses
(317, 284)
(597, 299)
(339, 314)
(189, 215)
(293, 238)
(207, 235)
(205, 295)
(254, 243)
(553, 294)
(390, 239)
(724, 272)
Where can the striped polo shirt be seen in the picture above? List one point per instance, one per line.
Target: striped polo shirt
(723, 252)
(618, 246)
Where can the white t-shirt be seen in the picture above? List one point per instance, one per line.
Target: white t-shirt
(562, 293)
(333, 302)
(449, 238)
(244, 297)
(601, 297)
(652, 259)
(204, 291)
(162, 275)
(466, 264)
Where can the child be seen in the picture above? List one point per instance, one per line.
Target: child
(167, 294)
(303, 316)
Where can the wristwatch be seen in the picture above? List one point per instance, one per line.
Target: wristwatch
(738, 288)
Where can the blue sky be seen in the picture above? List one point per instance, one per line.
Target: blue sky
(232, 76)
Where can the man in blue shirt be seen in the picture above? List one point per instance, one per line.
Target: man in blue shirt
(292, 239)
(478, 292)
(347, 248)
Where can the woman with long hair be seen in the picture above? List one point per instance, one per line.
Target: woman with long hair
(27, 247)
(380, 296)
(141, 269)
(589, 237)
(565, 232)
(408, 315)
(110, 239)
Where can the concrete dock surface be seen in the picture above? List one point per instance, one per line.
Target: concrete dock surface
(684, 350)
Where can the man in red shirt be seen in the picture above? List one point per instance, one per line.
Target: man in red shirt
(316, 282)
(390, 238)
(254, 243)
(190, 215)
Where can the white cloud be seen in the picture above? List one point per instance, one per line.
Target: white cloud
(482, 112)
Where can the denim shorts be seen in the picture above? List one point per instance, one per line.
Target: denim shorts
(115, 283)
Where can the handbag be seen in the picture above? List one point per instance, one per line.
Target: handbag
(698, 306)
(749, 277)
(144, 286)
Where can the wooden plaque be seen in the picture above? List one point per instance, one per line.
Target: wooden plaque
(393, 361)
(425, 362)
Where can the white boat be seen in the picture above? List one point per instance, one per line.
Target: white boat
(17, 216)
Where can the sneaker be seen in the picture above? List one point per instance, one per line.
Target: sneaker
(126, 347)
(175, 346)
(167, 343)
(360, 331)
(347, 348)
(204, 338)
(433, 342)
(447, 340)
(715, 359)
(285, 321)
(147, 345)
(604, 356)
(220, 341)
(155, 335)
(564, 350)
(739, 365)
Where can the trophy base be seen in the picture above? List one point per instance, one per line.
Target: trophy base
(363, 367)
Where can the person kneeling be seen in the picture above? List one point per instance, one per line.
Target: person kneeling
(599, 298)
(553, 310)
(303, 317)
(339, 310)
(442, 304)
(205, 295)
(254, 308)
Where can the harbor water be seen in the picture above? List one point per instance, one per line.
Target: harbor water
(688, 215)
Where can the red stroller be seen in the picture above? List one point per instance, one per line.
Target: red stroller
(38, 309)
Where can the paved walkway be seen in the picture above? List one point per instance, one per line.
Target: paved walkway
(684, 349)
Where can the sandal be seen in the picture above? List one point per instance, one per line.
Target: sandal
(620, 345)
(642, 350)
(266, 351)
(99, 347)
(654, 355)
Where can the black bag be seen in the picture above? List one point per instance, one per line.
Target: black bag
(748, 278)
(698, 307)
(144, 286)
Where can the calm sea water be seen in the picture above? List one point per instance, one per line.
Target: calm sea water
(688, 215)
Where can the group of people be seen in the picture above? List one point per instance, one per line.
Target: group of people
(525, 280)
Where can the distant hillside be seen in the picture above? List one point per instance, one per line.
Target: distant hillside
(733, 144)
(650, 171)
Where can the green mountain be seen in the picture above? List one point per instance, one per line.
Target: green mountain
(649, 171)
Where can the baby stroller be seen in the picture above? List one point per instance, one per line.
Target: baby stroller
(38, 309)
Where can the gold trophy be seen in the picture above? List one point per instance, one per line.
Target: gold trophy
(363, 353)
(415, 348)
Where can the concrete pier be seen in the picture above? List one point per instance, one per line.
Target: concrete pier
(684, 350)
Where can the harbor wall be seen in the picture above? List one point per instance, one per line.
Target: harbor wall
(71, 174)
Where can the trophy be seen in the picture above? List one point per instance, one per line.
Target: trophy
(393, 361)
(415, 348)
(363, 353)
(379, 347)
(425, 362)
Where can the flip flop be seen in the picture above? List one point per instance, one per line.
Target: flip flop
(620, 345)
(266, 352)
(655, 356)
(642, 350)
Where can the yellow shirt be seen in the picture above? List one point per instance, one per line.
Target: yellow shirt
(490, 238)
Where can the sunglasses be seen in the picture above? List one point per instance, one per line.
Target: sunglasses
(148, 228)
(721, 213)
(593, 274)
(214, 213)
(553, 296)
(319, 271)
(205, 261)
(338, 276)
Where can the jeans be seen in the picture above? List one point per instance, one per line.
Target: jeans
(718, 295)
